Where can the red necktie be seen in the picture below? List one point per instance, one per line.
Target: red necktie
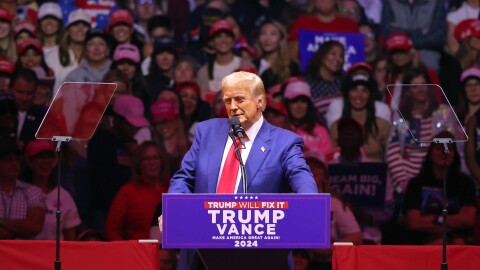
(228, 179)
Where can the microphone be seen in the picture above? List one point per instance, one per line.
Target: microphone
(237, 129)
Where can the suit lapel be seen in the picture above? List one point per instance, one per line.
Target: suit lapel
(215, 155)
(258, 153)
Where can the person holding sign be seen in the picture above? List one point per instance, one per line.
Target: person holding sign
(273, 156)
(323, 16)
(363, 182)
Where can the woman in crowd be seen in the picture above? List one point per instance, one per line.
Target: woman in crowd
(194, 108)
(30, 55)
(161, 67)
(122, 31)
(50, 26)
(402, 57)
(469, 95)
(373, 50)
(359, 103)
(131, 211)
(8, 47)
(127, 59)
(423, 198)
(301, 114)
(276, 113)
(425, 117)
(274, 66)
(324, 74)
(218, 106)
(70, 51)
(168, 131)
(323, 15)
(466, 56)
(24, 31)
(460, 11)
(184, 70)
(41, 161)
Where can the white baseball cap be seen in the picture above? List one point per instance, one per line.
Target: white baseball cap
(78, 15)
(50, 9)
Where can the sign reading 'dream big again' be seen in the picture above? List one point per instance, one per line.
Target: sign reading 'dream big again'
(246, 221)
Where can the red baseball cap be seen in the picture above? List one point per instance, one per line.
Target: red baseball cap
(220, 25)
(164, 109)
(467, 28)
(25, 26)
(188, 85)
(6, 66)
(244, 46)
(399, 41)
(30, 43)
(360, 65)
(121, 16)
(35, 147)
(275, 89)
(5, 15)
(247, 68)
(276, 106)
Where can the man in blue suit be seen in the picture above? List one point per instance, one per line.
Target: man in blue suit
(273, 157)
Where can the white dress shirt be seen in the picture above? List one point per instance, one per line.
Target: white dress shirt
(251, 134)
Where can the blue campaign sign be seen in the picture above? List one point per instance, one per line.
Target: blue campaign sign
(310, 41)
(363, 184)
(246, 221)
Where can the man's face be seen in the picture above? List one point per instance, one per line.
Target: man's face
(239, 101)
(97, 50)
(24, 93)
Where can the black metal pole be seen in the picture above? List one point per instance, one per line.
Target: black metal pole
(58, 263)
(444, 265)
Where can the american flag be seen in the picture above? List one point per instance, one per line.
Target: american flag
(405, 155)
(321, 104)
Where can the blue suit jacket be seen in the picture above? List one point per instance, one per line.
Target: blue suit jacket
(279, 168)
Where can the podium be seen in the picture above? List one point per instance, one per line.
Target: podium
(246, 231)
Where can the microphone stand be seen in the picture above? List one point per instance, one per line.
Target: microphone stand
(238, 155)
(59, 140)
(444, 141)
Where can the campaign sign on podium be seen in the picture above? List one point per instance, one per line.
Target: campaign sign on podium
(240, 221)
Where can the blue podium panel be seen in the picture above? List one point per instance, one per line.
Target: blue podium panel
(246, 221)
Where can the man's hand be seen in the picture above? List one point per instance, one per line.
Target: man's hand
(160, 224)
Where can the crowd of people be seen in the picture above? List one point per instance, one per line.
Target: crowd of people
(168, 59)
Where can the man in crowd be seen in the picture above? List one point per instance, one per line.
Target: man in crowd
(22, 206)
